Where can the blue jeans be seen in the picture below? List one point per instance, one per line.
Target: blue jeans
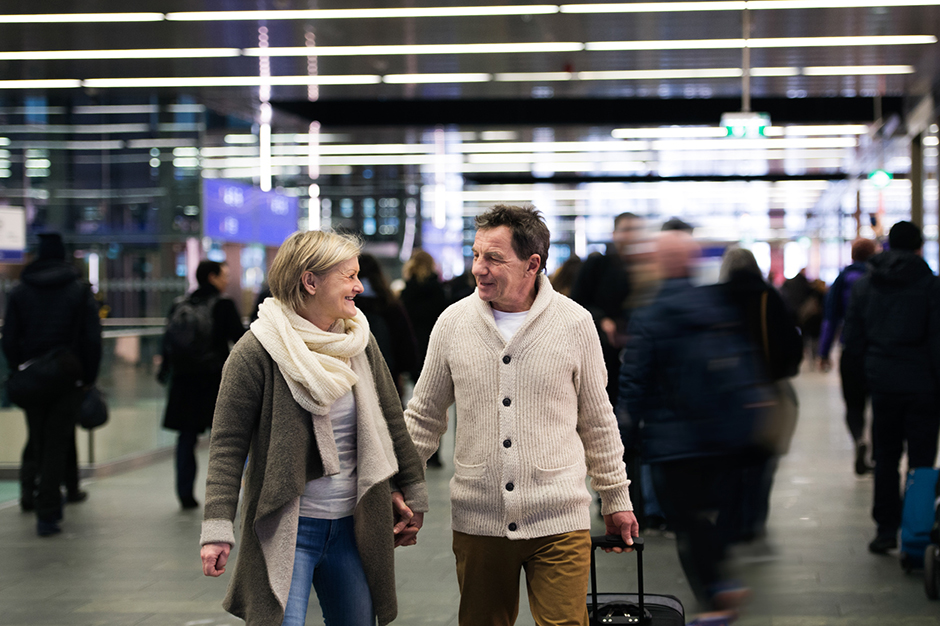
(326, 557)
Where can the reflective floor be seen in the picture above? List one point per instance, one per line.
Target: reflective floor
(129, 555)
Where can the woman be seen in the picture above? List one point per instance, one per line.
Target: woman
(333, 482)
(773, 333)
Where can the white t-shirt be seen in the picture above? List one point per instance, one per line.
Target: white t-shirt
(334, 497)
(509, 323)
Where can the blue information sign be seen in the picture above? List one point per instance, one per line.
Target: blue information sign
(239, 213)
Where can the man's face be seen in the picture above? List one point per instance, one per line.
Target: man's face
(503, 279)
(626, 232)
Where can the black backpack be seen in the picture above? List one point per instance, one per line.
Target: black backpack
(187, 341)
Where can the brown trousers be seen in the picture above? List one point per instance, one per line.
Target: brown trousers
(556, 570)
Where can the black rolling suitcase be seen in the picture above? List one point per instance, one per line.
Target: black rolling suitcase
(638, 608)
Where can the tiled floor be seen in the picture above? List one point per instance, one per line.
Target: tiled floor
(129, 556)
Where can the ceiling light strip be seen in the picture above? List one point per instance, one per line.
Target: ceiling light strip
(332, 14)
(155, 53)
(417, 49)
(72, 18)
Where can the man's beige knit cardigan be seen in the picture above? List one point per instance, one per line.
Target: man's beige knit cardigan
(532, 418)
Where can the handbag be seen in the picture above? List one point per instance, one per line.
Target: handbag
(780, 421)
(94, 410)
(34, 381)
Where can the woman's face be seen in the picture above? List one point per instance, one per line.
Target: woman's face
(331, 294)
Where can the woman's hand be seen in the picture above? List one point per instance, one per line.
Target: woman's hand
(407, 522)
(214, 557)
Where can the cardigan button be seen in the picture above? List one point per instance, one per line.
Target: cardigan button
(510, 486)
(507, 443)
(506, 401)
(513, 527)
(507, 359)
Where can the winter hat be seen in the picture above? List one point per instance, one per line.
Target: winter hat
(905, 236)
(51, 247)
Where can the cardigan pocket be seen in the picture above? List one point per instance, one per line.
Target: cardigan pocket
(469, 471)
(548, 476)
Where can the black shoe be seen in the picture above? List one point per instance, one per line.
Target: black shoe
(47, 528)
(882, 543)
(861, 461)
(78, 496)
(27, 506)
(189, 503)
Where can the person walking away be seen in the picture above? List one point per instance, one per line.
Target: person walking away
(774, 336)
(851, 371)
(524, 366)
(388, 320)
(333, 482)
(200, 327)
(424, 299)
(686, 388)
(51, 325)
(893, 324)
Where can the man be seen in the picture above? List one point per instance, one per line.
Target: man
(52, 312)
(603, 287)
(852, 371)
(680, 356)
(524, 366)
(893, 323)
(200, 327)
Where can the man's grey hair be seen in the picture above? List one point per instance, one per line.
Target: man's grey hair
(737, 259)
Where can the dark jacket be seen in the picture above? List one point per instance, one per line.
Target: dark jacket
(602, 287)
(424, 301)
(51, 307)
(392, 329)
(191, 400)
(893, 322)
(783, 351)
(837, 303)
(659, 352)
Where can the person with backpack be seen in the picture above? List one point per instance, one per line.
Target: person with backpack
(690, 402)
(52, 342)
(199, 328)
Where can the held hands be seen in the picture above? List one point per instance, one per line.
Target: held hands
(624, 524)
(407, 522)
(214, 557)
(825, 364)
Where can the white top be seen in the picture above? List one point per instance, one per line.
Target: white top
(334, 497)
(508, 323)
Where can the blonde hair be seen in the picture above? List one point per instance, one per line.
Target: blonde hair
(419, 266)
(311, 251)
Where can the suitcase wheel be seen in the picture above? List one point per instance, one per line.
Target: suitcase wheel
(932, 571)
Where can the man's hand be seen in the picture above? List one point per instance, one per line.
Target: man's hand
(407, 522)
(214, 557)
(623, 524)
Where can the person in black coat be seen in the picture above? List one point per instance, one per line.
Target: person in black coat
(775, 337)
(893, 323)
(192, 394)
(52, 307)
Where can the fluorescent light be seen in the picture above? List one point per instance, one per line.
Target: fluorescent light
(152, 53)
(775, 71)
(510, 77)
(240, 139)
(414, 79)
(758, 5)
(333, 14)
(931, 141)
(653, 7)
(57, 83)
(821, 129)
(468, 48)
(551, 146)
(857, 70)
(116, 109)
(704, 132)
(660, 74)
(229, 81)
(753, 144)
(72, 18)
(827, 42)
(669, 44)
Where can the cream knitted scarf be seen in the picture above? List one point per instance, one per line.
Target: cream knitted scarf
(314, 362)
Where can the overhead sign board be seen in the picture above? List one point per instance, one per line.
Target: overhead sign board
(12, 234)
(238, 213)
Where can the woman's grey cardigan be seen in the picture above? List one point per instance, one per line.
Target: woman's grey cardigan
(256, 411)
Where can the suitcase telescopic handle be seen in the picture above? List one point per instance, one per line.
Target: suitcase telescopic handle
(615, 541)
